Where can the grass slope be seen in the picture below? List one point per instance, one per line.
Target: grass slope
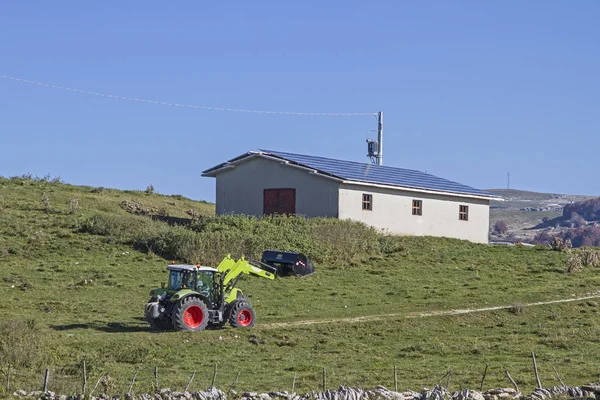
(85, 295)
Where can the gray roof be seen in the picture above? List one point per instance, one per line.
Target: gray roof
(186, 267)
(363, 172)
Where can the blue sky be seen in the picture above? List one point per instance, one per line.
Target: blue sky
(470, 90)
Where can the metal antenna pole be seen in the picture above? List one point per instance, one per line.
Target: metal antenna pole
(380, 138)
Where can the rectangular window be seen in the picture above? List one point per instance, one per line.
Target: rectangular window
(463, 213)
(367, 202)
(417, 208)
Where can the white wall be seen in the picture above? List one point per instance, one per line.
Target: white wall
(392, 211)
(240, 189)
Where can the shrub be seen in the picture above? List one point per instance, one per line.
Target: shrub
(574, 263)
(208, 239)
(46, 202)
(22, 343)
(73, 204)
(149, 189)
(577, 220)
(588, 209)
(194, 214)
(135, 207)
(543, 238)
(559, 244)
(583, 258)
(589, 257)
(517, 308)
(500, 227)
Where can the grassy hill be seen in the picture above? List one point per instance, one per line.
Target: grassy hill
(76, 266)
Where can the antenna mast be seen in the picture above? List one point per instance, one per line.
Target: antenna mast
(375, 148)
(380, 138)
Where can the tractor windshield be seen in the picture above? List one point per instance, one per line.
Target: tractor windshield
(181, 279)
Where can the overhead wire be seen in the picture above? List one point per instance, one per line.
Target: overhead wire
(165, 103)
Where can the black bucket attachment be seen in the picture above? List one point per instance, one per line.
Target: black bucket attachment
(288, 263)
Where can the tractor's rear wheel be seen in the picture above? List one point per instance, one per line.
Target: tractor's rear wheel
(190, 314)
(242, 315)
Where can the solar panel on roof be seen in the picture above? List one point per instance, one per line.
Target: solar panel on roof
(370, 173)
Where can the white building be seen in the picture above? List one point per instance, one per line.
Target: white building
(396, 200)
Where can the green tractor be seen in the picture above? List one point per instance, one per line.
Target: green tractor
(198, 297)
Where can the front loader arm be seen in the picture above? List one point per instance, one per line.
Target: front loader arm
(233, 270)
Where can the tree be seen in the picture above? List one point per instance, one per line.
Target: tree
(577, 220)
(500, 227)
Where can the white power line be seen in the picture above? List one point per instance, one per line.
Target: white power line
(164, 103)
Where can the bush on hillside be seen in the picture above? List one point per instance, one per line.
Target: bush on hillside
(583, 258)
(579, 237)
(22, 343)
(208, 239)
(577, 221)
(500, 227)
(561, 245)
(583, 236)
(588, 209)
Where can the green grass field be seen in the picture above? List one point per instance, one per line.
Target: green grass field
(69, 296)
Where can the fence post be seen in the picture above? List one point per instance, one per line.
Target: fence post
(155, 379)
(46, 377)
(324, 379)
(294, 383)
(84, 387)
(395, 379)
(8, 379)
(97, 383)
(132, 381)
(537, 376)
(234, 382)
(512, 381)
(558, 376)
(483, 379)
(190, 382)
(214, 378)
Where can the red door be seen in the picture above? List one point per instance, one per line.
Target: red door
(279, 201)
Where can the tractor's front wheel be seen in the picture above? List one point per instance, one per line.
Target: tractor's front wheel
(190, 314)
(242, 315)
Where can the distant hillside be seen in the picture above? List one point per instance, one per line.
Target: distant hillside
(526, 213)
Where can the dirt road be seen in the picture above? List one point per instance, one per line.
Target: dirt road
(381, 317)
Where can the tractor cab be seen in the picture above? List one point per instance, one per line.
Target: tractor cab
(203, 280)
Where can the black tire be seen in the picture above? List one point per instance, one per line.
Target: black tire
(158, 324)
(190, 314)
(242, 315)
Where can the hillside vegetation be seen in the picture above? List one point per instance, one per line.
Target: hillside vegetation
(532, 217)
(77, 263)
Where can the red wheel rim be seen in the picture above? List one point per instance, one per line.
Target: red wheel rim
(193, 317)
(244, 318)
